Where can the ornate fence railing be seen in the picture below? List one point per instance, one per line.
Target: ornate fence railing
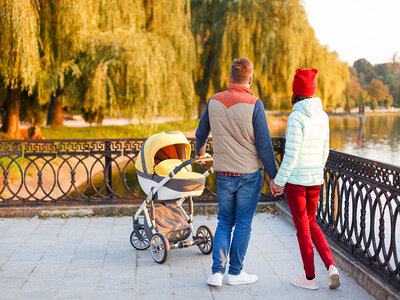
(359, 209)
(62, 172)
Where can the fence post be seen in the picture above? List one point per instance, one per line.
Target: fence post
(108, 169)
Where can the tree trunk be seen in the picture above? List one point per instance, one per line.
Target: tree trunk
(55, 116)
(11, 116)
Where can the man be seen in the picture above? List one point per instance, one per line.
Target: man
(241, 146)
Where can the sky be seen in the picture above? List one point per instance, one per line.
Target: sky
(357, 28)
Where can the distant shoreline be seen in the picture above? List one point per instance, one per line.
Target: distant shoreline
(331, 114)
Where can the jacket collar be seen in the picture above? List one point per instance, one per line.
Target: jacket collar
(239, 88)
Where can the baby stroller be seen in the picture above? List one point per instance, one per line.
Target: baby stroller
(164, 172)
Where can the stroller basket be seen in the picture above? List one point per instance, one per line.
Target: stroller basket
(171, 223)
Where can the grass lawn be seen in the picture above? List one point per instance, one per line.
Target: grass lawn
(115, 132)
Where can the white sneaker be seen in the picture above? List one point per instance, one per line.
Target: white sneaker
(215, 279)
(334, 279)
(242, 278)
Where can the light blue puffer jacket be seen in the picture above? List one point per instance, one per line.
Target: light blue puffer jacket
(307, 145)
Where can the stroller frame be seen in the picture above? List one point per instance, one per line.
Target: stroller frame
(145, 234)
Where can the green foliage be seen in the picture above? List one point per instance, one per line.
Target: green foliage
(352, 93)
(19, 43)
(364, 98)
(365, 72)
(275, 36)
(373, 103)
(388, 102)
(140, 67)
(377, 89)
(150, 58)
(387, 74)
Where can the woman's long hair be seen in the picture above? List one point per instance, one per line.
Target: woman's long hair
(298, 98)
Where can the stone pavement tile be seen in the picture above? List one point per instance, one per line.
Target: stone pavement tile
(97, 253)
(231, 292)
(46, 231)
(275, 297)
(123, 221)
(81, 281)
(267, 283)
(269, 248)
(202, 291)
(75, 227)
(77, 292)
(11, 242)
(82, 272)
(12, 282)
(48, 272)
(8, 292)
(112, 260)
(163, 277)
(96, 261)
(115, 294)
(27, 253)
(54, 221)
(37, 290)
(92, 246)
(154, 285)
(49, 258)
(17, 268)
(64, 253)
(186, 257)
(20, 227)
(188, 278)
(4, 256)
(116, 280)
(86, 263)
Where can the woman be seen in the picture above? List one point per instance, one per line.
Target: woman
(301, 172)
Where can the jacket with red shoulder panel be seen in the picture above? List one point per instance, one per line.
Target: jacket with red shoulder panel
(241, 140)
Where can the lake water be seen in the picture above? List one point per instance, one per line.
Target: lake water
(377, 139)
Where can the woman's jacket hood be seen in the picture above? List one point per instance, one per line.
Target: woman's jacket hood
(310, 107)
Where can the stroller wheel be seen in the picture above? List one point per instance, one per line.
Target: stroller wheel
(159, 248)
(206, 234)
(137, 243)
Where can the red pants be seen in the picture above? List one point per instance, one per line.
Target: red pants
(303, 202)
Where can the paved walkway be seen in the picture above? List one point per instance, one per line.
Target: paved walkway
(92, 258)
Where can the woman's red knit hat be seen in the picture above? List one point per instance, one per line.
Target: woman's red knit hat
(304, 83)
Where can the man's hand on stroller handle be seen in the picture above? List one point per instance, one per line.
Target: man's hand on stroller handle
(203, 158)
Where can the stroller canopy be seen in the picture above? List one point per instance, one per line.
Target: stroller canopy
(162, 146)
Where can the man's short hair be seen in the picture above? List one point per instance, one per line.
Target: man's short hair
(241, 70)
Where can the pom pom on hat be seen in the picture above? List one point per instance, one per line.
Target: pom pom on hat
(304, 83)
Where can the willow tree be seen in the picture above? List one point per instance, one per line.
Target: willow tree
(275, 35)
(19, 56)
(138, 66)
(65, 26)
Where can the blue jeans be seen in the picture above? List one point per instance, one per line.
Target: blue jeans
(237, 200)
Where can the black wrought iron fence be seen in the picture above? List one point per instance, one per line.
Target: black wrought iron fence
(359, 208)
(46, 172)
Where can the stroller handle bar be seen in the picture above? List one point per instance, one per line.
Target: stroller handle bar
(172, 174)
(189, 162)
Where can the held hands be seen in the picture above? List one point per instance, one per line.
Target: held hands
(276, 190)
(202, 156)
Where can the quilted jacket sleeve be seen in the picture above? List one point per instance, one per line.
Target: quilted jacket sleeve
(326, 148)
(294, 139)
